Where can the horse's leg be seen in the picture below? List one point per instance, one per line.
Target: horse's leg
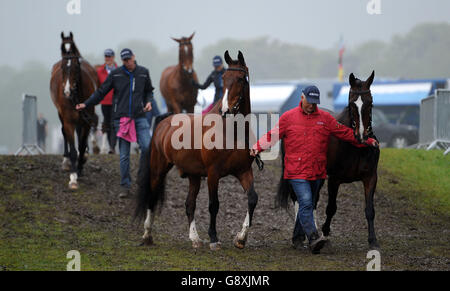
(213, 186)
(70, 134)
(246, 180)
(65, 163)
(83, 134)
(333, 188)
(370, 184)
(158, 174)
(194, 187)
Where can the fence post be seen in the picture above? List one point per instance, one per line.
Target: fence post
(29, 127)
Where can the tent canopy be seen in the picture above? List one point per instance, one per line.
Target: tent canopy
(390, 94)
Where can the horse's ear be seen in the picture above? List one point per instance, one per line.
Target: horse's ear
(62, 34)
(71, 36)
(228, 59)
(241, 59)
(176, 39)
(369, 81)
(352, 80)
(192, 35)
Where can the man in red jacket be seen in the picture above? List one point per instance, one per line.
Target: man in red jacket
(305, 130)
(106, 104)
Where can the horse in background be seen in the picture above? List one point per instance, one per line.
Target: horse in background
(73, 80)
(205, 161)
(346, 163)
(176, 84)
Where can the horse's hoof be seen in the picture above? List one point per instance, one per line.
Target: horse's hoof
(73, 186)
(215, 246)
(65, 166)
(239, 243)
(197, 244)
(148, 241)
(374, 246)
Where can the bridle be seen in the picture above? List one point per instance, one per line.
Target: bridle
(73, 97)
(241, 95)
(352, 121)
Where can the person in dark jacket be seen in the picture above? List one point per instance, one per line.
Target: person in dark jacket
(133, 93)
(305, 131)
(216, 78)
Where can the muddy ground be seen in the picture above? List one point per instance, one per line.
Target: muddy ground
(35, 200)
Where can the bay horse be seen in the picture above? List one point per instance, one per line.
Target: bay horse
(73, 80)
(176, 84)
(346, 163)
(195, 163)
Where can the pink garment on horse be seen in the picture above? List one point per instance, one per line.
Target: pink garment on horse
(208, 109)
(127, 129)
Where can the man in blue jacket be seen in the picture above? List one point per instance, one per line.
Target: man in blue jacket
(133, 93)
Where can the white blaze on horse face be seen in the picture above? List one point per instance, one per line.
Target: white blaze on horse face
(186, 49)
(69, 62)
(225, 102)
(67, 46)
(242, 235)
(359, 103)
(67, 88)
(193, 235)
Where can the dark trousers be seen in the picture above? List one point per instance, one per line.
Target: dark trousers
(107, 125)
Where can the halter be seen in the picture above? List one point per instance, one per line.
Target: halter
(353, 123)
(74, 97)
(241, 96)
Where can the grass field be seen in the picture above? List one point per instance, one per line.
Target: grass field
(422, 177)
(41, 220)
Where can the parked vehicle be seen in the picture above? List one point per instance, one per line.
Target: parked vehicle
(393, 135)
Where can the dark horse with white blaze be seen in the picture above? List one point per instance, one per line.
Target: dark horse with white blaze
(73, 80)
(195, 163)
(176, 84)
(346, 163)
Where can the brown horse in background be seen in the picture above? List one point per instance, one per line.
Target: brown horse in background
(176, 84)
(204, 161)
(73, 80)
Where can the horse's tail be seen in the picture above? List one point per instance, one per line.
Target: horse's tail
(284, 187)
(146, 197)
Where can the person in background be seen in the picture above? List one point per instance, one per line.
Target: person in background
(216, 78)
(133, 92)
(106, 104)
(42, 131)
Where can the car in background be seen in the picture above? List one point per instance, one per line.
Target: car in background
(393, 135)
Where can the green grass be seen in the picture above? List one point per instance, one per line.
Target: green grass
(422, 177)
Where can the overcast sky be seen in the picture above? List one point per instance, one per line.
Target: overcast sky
(30, 29)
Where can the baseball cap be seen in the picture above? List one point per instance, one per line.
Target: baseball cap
(312, 94)
(217, 61)
(126, 53)
(109, 53)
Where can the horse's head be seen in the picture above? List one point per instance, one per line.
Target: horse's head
(70, 64)
(236, 86)
(360, 106)
(186, 55)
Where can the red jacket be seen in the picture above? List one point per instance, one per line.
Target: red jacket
(306, 142)
(102, 73)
